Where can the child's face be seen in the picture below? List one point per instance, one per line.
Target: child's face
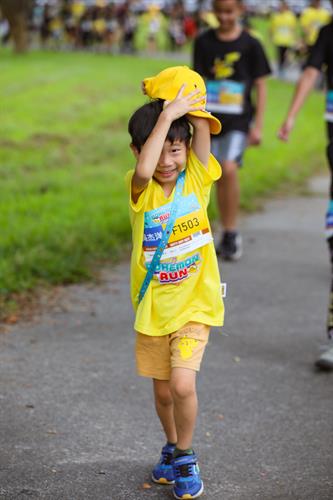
(227, 13)
(171, 162)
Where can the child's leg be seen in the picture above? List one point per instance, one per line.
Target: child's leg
(228, 195)
(187, 346)
(280, 59)
(165, 408)
(163, 471)
(228, 150)
(176, 405)
(185, 405)
(153, 361)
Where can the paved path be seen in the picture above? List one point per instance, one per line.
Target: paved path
(77, 424)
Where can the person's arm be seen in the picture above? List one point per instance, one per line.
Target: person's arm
(201, 138)
(316, 60)
(259, 70)
(255, 133)
(304, 85)
(148, 157)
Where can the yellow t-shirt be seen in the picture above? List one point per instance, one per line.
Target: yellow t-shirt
(283, 29)
(55, 24)
(186, 285)
(78, 9)
(311, 21)
(99, 26)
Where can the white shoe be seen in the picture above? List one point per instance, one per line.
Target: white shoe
(325, 361)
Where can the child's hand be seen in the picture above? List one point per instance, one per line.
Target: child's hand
(182, 105)
(143, 88)
(254, 136)
(286, 128)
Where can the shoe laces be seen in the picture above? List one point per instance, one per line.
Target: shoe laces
(184, 470)
(166, 458)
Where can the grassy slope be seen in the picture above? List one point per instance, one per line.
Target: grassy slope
(64, 151)
(63, 157)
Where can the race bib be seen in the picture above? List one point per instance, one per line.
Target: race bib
(190, 231)
(329, 106)
(225, 96)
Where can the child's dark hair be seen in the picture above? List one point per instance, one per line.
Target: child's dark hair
(144, 120)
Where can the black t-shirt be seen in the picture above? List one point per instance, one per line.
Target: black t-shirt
(321, 53)
(321, 57)
(230, 69)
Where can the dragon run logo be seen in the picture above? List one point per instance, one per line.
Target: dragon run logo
(175, 271)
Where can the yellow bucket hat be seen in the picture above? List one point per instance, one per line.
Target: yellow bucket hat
(166, 84)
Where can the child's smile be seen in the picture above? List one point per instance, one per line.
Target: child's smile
(171, 162)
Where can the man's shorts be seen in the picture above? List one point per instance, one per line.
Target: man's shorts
(156, 356)
(229, 147)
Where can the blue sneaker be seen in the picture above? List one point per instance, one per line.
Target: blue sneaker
(188, 483)
(329, 220)
(163, 471)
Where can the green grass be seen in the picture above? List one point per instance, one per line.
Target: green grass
(276, 166)
(64, 152)
(260, 26)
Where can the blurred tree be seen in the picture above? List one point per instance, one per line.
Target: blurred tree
(17, 14)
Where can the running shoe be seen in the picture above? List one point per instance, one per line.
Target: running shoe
(325, 360)
(163, 470)
(188, 483)
(329, 220)
(230, 247)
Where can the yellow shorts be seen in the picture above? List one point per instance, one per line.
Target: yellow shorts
(155, 356)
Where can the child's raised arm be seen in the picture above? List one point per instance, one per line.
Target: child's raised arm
(148, 157)
(201, 138)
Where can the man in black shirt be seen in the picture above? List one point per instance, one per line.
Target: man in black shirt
(233, 63)
(320, 57)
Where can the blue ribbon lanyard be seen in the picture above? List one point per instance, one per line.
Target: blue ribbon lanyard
(165, 236)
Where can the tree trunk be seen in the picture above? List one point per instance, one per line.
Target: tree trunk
(16, 12)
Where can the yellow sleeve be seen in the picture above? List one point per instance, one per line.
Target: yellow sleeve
(204, 175)
(202, 178)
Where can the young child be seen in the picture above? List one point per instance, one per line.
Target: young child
(183, 299)
(233, 63)
(283, 33)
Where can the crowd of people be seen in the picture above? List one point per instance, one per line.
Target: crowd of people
(293, 36)
(115, 26)
(130, 25)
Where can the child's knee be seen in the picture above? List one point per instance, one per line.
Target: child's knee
(181, 389)
(229, 169)
(164, 399)
(163, 394)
